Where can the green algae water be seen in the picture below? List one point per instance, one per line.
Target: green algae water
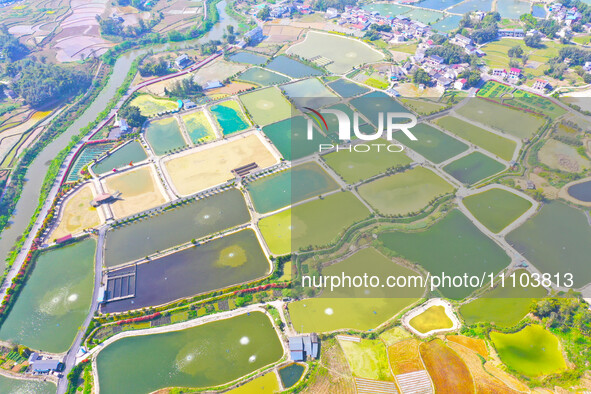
(229, 117)
(208, 355)
(17, 386)
(288, 187)
(131, 152)
(164, 136)
(55, 300)
(291, 374)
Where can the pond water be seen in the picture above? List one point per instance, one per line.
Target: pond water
(513, 9)
(249, 58)
(310, 93)
(130, 152)
(206, 355)
(229, 117)
(288, 187)
(17, 386)
(472, 5)
(438, 4)
(175, 226)
(387, 9)
(447, 24)
(538, 11)
(290, 138)
(198, 127)
(292, 68)
(55, 300)
(86, 156)
(346, 88)
(291, 374)
(581, 191)
(164, 135)
(262, 77)
(223, 262)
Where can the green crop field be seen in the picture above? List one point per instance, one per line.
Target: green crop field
(473, 168)
(505, 119)
(267, 106)
(434, 318)
(494, 89)
(356, 166)
(422, 107)
(405, 192)
(457, 248)
(496, 55)
(317, 222)
(150, 106)
(532, 351)
(367, 359)
(495, 144)
(496, 208)
(502, 306)
(432, 143)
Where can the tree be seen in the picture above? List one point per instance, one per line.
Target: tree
(587, 78)
(421, 76)
(515, 51)
(472, 77)
(438, 39)
(132, 115)
(264, 13)
(450, 53)
(533, 41)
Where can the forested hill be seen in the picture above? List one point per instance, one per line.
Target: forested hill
(39, 83)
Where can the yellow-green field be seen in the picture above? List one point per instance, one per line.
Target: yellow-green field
(367, 359)
(150, 106)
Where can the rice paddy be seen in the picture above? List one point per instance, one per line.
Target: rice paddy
(434, 318)
(77, 213)
(318, 222)
(502, 306)
(461, 249)
(447, 370)
(292, 68)
(431, 143)
(516, 123)
(473, 168)
(556, 233)
(150, 106)
(495, 144)
(368, 359)
(354, 167)
(343, 53)
(211, 165)
(131, 152)
(290, 186)
(355, 308)
(496, 208)
(290, 138)
(533, 351)
(139, 188)
(229, 117)
(164, 136)
(198, 127)
(266, 106)
(404, 193)
(262, 77)
(266, 384)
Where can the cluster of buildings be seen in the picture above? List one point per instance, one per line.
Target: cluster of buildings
(403, 28)
(511, 76)
(562, 14)
(41, 365)
(283, 9)
(303, 347)
(443, 75)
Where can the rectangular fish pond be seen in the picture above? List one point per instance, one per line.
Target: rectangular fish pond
(132, 152)
(164, 136)
(175, 226)
(208, 355)
(229, 117)
(223, 262)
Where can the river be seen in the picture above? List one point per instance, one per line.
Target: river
(36, 173)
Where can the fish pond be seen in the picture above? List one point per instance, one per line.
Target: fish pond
(208, 355)
(433, 318)
(473, 168)
(55, 301)
(496, 208)
(345, 88)
(223, 262)
(291, 374)
(262, 77)
(355, 308)
(461, 248)
(175, 226)
(581, 191)
(164, 136)
(292, 68)
(310, 93)
(131, 152)
(431, 143)
(198, 127)
(290, 186)
(513, 9)
(18, 386)
(229, 117)
(557, 232)
(291, 139)
(249, 58)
